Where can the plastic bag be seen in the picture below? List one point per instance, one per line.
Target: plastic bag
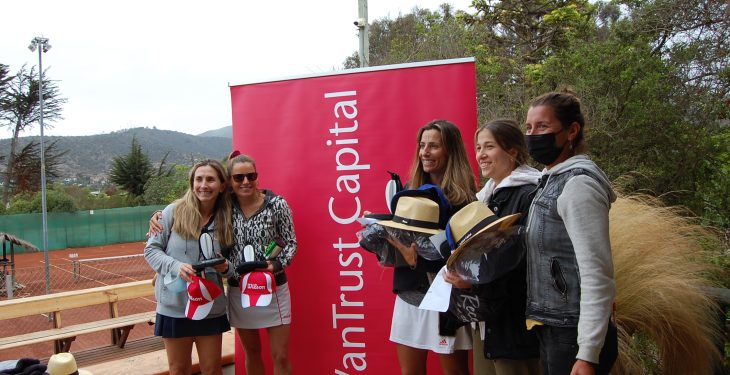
(424, 247)
(487, 257)
(373, 238)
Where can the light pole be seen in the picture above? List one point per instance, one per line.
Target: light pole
(42, 45)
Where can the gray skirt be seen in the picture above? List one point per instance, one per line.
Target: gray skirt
(277, 313)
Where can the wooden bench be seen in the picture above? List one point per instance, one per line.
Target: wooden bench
(55, 303)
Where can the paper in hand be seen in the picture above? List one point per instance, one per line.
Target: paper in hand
(438, 295)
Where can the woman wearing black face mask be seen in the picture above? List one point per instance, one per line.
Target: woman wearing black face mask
(569, 265)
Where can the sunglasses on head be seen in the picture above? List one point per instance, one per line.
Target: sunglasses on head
(240, 176)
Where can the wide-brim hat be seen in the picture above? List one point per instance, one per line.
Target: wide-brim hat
(429, 191)
(64, 364)
(473, 220)
(418, 214)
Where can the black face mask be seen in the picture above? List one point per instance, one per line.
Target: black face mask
(542, 148)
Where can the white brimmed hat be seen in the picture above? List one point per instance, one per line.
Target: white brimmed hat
(64, 364)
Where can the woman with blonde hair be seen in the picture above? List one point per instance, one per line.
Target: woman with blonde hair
(440, 159)
(195, 228)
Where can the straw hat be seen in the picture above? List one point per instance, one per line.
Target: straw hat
(64, 364)
(429, 191)
(418, 214)
(471, 221)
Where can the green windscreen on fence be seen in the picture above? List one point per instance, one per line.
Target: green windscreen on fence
(81, 228)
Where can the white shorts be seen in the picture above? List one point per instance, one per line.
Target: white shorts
(277, 313)
(419, 329)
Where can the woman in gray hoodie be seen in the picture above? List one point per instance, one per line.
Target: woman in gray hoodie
(570, 284)
(194, 227)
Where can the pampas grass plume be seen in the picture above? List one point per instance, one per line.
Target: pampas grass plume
(666, 324)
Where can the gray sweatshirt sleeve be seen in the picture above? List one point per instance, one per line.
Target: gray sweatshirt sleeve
(154, 251)
(584, 206)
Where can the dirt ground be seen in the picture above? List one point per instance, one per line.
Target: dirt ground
(65, 278)
(35, 259)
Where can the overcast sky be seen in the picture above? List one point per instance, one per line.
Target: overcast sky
(169, 63)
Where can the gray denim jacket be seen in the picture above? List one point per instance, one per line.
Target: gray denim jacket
(569, 263)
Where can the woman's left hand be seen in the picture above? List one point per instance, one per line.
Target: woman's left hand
(186, 272)
(454, 279)
(269, 268)
(408, 252)
(223, 267)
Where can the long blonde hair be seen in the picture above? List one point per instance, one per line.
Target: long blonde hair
(186, 217)
(458, 183)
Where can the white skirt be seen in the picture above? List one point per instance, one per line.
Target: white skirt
(277, 313)
(419, 329)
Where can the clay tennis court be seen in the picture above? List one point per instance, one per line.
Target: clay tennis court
(119, 265)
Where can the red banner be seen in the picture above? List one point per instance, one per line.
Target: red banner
(325, 143)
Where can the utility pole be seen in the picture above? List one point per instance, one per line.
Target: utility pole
(364, 32)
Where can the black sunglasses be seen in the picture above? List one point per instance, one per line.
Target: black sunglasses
(240, 176)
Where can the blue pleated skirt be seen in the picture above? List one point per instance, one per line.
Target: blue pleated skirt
(171, 328)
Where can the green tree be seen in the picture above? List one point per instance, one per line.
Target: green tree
(417, 36)
(131, 171)
(56, 201)
(655, 125)
(20, 109)
(163, 189)
(653, 75)
(26, 170)
(513, 38)
(5, 79)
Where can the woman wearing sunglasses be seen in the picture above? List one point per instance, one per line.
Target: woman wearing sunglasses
(261, 218)
(194, 228)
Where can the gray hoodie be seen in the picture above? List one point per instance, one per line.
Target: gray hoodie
(583, 207)
(165, 253)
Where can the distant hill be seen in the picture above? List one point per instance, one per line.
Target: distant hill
(225, 132)
(91, 156)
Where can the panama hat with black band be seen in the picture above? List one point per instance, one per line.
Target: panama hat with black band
(429, 191)
(470, 222)
(418, 214)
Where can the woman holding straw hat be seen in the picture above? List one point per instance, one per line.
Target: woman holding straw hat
(440, 159)
(502, 344)
(570, 283)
